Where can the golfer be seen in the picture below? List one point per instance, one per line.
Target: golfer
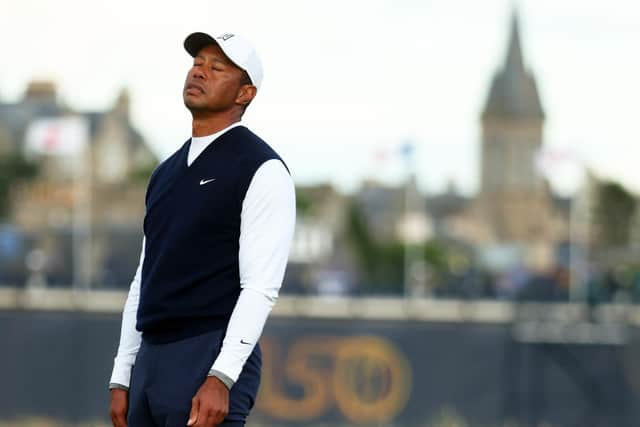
(218, 226)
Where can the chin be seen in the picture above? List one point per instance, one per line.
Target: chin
(190, 104)
(196, 110)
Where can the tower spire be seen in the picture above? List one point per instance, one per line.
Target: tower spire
(514, 61)
(513, 91)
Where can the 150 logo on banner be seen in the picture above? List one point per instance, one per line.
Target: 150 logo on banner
(365, 377)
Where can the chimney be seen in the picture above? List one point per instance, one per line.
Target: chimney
(121, 106)
(41, 91)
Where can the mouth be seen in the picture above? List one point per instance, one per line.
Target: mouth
(193, 89)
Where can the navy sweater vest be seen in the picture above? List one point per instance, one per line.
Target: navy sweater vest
(190, 275)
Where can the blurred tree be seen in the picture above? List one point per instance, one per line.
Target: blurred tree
(614, 214)
(381, 264)
(366, 250)
(14, 168)
(437, 256)
(142, 174)
(304, 203)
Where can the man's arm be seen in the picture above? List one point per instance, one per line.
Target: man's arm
(266, 231)
(125, 357)
(130, 338)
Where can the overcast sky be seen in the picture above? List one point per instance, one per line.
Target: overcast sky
(347, 81)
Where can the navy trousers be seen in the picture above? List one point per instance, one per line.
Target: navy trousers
(165, 378)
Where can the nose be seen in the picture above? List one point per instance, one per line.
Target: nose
(197, 72)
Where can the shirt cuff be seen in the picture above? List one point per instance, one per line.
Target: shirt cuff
(121, 373)
(228, 382)
(228, 365)
(116, 386)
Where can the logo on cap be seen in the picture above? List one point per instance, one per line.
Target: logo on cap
(225, 37)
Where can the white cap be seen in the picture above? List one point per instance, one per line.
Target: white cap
(237, 48)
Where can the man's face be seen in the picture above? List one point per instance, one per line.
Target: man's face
(213, 82)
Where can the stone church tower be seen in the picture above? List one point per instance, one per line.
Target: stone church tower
(514, 199)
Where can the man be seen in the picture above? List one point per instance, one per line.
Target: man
(219, 221)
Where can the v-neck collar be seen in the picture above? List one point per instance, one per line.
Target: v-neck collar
(211, 141)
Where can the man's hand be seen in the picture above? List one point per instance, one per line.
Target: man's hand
(119, 407)
(210, 405)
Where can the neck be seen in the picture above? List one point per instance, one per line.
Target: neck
(203, 126)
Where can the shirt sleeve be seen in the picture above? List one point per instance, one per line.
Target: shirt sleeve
(130, 338)
(266, 231)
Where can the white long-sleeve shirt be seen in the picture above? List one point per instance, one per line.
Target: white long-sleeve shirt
(266, 229)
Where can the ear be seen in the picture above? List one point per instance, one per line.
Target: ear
(246, 93)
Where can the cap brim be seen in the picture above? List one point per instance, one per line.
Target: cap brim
(196, 41)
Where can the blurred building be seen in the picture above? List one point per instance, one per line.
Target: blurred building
(320, 261)
(394, 213)
(111, 174)
(514, 222)
(514, 207)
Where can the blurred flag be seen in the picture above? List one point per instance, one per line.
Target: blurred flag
(57, 136)
(549, 160)
(562, 167)
(406, 150)
(381, 155)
